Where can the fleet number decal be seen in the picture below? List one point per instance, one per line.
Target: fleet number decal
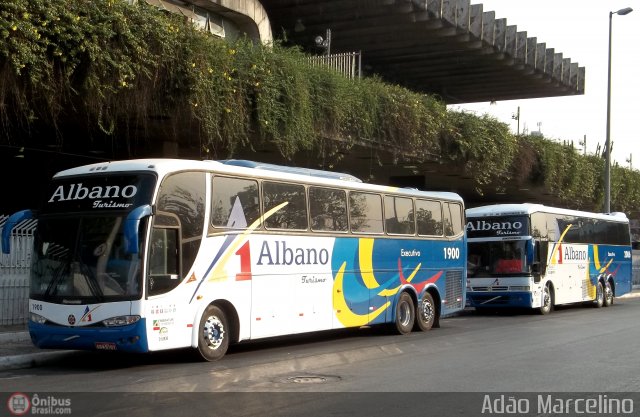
(451, 253)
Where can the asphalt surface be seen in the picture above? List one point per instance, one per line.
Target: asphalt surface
(17, 351)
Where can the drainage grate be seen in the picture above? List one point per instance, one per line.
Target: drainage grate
(310, 379)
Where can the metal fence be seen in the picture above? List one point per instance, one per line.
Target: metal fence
(348, 64)
(636, 267)
(14, 273)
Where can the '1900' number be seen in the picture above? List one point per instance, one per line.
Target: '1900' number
(451, 253)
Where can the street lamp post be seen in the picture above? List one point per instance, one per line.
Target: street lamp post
(607, 144)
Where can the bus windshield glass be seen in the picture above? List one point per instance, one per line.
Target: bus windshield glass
(80, 254)
(83, 260)
(497, 258)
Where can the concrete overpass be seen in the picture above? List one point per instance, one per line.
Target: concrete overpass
(448, 48)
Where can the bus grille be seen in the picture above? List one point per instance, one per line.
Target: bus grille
(453, 291)
(490, 300)
(494, 288)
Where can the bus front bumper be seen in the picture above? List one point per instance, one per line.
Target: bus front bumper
(130, 338)
(499, 299)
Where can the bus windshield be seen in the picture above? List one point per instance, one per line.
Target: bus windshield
(83, 260)
(497, 258)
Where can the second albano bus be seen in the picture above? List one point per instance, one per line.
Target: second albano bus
(148, 255)
(534, 256)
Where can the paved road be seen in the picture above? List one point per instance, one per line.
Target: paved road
(571, 351)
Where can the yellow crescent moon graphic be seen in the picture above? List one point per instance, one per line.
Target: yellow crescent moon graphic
(596, 260)
(365, 257)
(347, 317)
(596, 257)
(591, 289)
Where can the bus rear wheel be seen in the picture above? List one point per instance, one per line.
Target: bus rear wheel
(599, 301)
(425, 313)
(608, 294)
(405, 314)
(213, 334)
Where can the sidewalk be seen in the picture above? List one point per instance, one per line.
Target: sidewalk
(17, 351)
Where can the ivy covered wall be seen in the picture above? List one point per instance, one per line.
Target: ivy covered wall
(114, 67)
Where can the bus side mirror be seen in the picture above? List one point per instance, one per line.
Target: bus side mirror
(10, 224)
(535, 268)
(536, 271)
(131, 226)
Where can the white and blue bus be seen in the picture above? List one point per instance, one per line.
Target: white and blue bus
(534, 256)
(147, 255)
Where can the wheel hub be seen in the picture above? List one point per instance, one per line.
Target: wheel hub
(213, 332)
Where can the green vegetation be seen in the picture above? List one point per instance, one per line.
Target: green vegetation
(116, 66)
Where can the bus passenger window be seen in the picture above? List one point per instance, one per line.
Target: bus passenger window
(235, 202)
(365, 212)
(452, 219)
(398, 213)
(328, 209)
(290, 203)
(429, 218)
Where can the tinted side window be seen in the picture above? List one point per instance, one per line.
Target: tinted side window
(452, 219)
(183, 195)
(429, 218)
(234, 202)
(291, 203)
(177, 230)
(365, 212)
(398, 215)
(328, 208)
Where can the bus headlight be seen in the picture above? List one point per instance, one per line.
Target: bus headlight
(120, 321)
(37, 318)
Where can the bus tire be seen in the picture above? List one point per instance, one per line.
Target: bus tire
(405, 314)
(547, 300)
(213, 334)
(608, 294)
(425, 313)
(599, 301)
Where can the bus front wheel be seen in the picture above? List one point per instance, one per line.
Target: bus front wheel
(426, 313)
(405, 314)
(547, 301)
(213, 334)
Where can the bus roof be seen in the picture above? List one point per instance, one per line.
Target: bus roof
(164, 166)
(529, 208)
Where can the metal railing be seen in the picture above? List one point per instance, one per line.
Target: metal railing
(636, 267)
(14, 273)
(348, 64)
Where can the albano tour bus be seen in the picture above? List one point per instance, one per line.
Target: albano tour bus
(146, 255)
(533, 256)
